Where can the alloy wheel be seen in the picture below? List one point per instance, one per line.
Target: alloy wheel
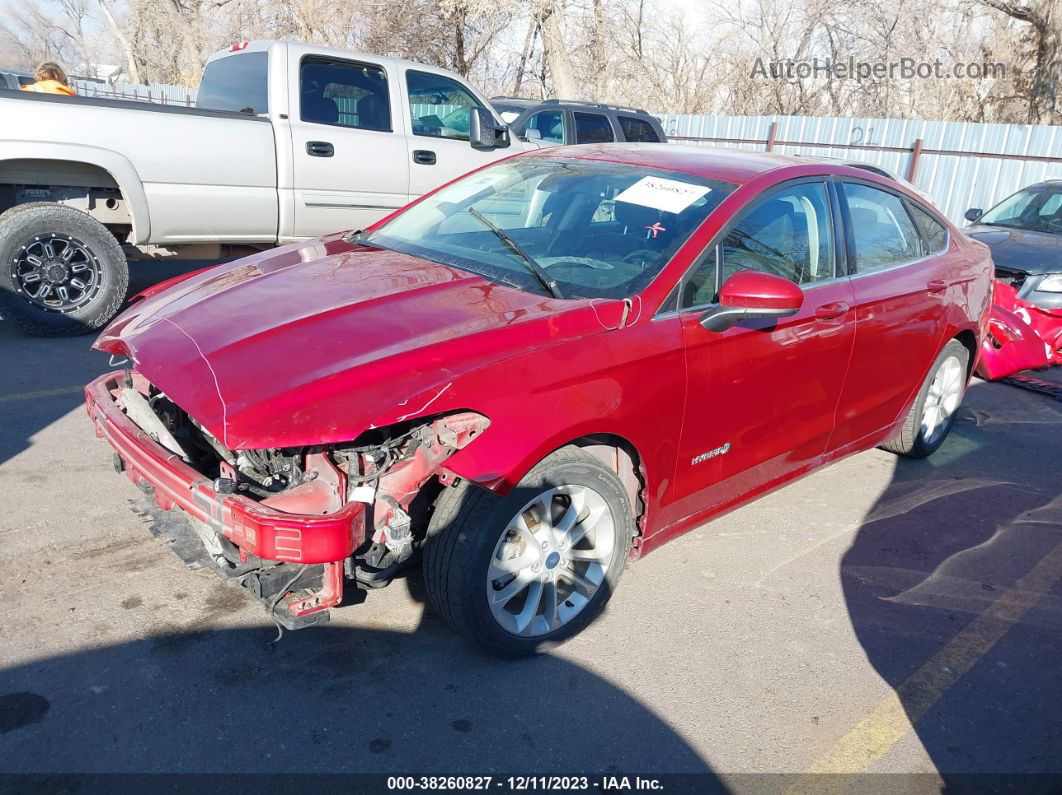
(553, 557)
(943, 398)
(57, 272)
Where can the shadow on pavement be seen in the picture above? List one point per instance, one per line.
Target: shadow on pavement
(43, 377)
(327, 700)
(954, 588)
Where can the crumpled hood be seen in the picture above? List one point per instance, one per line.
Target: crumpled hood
(1019, 249)
(315, 342)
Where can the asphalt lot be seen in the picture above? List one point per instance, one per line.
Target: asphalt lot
(878, 616)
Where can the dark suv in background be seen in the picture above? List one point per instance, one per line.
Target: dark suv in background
(560, 121)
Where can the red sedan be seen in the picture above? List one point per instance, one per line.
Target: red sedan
(538, 373)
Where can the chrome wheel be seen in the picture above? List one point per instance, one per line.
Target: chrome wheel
(943, 398)
(57, 272)
(551, 560)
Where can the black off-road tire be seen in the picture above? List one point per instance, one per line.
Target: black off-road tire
(910, 442)
(465, 527)
(24, 223)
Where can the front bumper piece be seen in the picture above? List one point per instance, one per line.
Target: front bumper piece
(247, 543)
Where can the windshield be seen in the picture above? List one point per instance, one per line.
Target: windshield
(1036, 209)
(595, 229)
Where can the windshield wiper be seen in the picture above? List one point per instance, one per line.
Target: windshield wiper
(527, 259)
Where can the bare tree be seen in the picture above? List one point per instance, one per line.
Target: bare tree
(1044, 17)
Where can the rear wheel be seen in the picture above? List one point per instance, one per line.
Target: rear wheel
(61, 272)
(521, 573)
(930, 419)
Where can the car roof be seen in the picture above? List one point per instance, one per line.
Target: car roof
(729, 165)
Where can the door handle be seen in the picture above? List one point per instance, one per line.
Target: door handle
(937, 286)
(425, 157)
(320, 149)
(831, 311)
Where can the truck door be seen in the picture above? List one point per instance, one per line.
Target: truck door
(440, 110)
(349, 150)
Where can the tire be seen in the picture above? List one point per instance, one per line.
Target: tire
(918, 437)
(470, 528)
(94, 252)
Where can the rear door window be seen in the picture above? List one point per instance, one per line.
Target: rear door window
(883, 232)
(344, 94)
(592, 128)
(637, 129)
(236, 83)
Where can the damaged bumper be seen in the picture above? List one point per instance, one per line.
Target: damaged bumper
(1022, 335)
(241, 536)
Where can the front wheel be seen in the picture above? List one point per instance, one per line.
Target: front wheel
(930, 419)
(521, 573)
(62, 272)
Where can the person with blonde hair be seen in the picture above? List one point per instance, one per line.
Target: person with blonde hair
(51, 79)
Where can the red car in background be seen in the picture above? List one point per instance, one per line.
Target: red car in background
(537, 373)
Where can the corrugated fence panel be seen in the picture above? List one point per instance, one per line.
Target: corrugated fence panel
(962, 164)
(159, 93)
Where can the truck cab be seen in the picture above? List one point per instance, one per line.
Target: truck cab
(357, 135)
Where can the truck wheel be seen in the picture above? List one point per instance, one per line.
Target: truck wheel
(521, 573)
(930, 419)
(61, 272)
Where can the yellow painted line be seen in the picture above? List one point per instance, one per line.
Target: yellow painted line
(876, 734)
(41, 393)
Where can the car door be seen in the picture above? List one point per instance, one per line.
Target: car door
(899, 293)
(350, 161)
(761, 395)
(440, 111)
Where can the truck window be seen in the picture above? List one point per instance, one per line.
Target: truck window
(439, 106)
(592, 128)
(344, 94)
(637, 129)
(237, 83)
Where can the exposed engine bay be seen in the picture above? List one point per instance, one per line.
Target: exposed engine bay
(392, 471)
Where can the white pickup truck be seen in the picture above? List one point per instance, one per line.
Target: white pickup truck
(286, 141)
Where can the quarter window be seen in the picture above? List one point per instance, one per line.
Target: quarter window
(550, 125)
(439, 107)
(592, 128)
(787, 233)
(934, 234)
(883, 232)
(637, 129)
(344, 94)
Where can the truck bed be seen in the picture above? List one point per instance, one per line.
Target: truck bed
(208, 176)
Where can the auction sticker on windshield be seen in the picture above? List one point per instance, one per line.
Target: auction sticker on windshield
(659, 193)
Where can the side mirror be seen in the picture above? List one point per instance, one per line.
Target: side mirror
(484, 132)
(749, 294)
(531, 134)
(973, 214)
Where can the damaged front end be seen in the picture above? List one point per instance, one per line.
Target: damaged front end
(1021, 334)
(294, 525)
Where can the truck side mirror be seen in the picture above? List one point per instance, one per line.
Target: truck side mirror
(973, 214)
(484, 132)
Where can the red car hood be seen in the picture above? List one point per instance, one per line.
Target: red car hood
(315, 342)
